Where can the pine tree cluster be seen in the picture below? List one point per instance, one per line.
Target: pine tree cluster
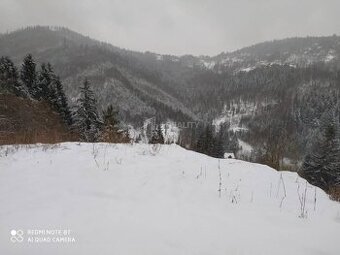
(86, 116)
(9, 81)
(45, 85)
(31, 83)
(211, 140)
(157, 136)
(321, 166)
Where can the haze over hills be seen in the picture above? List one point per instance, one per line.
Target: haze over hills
(120, 77)
(276, 83)
(295, 51)
(291, 51)
(168, 80)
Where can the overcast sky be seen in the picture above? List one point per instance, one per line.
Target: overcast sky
(178, 27)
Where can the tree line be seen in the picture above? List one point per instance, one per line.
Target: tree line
(42, 84)
(321, 166)
(210, 139)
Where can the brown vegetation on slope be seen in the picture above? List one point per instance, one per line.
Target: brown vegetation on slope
(24, 121)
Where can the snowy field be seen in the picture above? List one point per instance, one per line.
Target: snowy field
(142, 199)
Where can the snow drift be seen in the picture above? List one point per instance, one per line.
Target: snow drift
(149, 199)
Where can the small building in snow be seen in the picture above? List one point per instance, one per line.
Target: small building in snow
(229, 155)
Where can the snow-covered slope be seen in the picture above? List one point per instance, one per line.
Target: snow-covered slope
(291, 51)
(141, 199)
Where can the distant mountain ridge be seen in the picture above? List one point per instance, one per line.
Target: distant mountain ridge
(291, 51)
(139, 82)
(294, 51)
(118, 76)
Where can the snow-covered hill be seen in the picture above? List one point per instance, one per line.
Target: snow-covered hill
(143, 199)
(291, 51)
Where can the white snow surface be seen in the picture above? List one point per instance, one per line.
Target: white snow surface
(143, 199)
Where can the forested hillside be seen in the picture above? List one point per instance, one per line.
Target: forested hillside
(273, 96)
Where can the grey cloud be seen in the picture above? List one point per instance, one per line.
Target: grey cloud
(178, 26)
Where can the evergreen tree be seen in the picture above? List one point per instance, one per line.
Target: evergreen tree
(220, 141)
(28, 75)
(111, 132)
(321, 166)
(45, 87)
(87, 120)
(234, 144)
(110, 117)
(206, 141)
(50, 88)
(61, 102)
(9, 78)
(149, 131)
(157, 135)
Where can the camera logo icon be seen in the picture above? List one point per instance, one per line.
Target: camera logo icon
(17, 236)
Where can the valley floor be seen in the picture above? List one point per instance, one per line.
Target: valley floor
(143, 199)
